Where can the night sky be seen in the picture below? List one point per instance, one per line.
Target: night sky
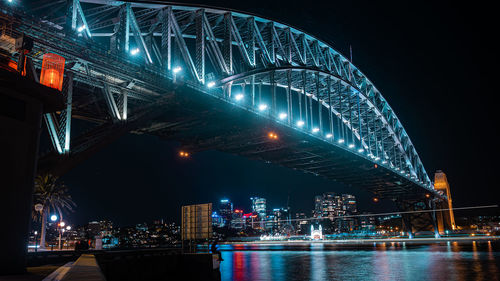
(433, 64)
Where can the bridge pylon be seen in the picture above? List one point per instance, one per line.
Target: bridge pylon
(445, 218)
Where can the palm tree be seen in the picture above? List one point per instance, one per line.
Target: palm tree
(53, 195)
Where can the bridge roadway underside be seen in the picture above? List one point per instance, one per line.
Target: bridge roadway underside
(201, 122)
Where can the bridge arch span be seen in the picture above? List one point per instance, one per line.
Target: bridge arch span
(139, 48)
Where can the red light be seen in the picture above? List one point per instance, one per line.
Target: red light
(52, 71)
(376, 166)
(12, 64)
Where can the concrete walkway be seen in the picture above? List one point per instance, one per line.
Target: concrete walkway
(85, 268)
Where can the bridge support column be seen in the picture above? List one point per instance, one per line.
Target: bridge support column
(22, 103)
(432, 206)
(407, 225)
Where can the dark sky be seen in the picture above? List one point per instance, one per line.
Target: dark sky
(432, 62)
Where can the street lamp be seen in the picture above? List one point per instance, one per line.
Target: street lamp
(53, 218)
(61, 229)
(36, 241)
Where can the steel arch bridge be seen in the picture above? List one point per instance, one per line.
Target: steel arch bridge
(127, 61)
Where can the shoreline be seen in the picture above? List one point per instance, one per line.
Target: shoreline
(365, 241)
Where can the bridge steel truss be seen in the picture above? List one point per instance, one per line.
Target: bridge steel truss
(263, 66)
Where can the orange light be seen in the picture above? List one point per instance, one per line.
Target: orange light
(183, 154)
(52, 71)
(427, 195)
(12, 64)
(273, 136)
(375, 199)
(376, 166)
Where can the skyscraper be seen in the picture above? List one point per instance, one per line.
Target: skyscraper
(226, 210)
(259, 206)
(332, 206)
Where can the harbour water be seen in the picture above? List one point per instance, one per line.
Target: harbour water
(378, 261)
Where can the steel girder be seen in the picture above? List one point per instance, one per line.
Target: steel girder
(232, 51)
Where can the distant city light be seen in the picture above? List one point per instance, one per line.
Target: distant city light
(177, 69)
(81, 28)
(183, 154)
(53, 218)
(351, 145)
(329, 136)
(300, 123)
(239, 97)
(283, 115)
(375, 199)
(36, 232)
(315, 130)
(224, 200)
(62, 224)
(68, 227)
(262, 106)
(134, 52)
(211, 84)
(341, 140)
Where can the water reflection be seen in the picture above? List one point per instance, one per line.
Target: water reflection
(380, 261)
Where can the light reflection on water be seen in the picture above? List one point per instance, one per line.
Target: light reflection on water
(380, 261)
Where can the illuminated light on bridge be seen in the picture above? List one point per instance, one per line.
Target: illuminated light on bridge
(273, 136)
(183, 154)
(300, 123)
(80, 29)
(52, 71)
(351, 145)
(210, 84)
(315, 130)
(375, 166)
(361, 150)
(341, 141)
(283, 116)
(134, 52)
(328, 136)
(239, 97)
(375, 199)
(177, 69)
(262, 106)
